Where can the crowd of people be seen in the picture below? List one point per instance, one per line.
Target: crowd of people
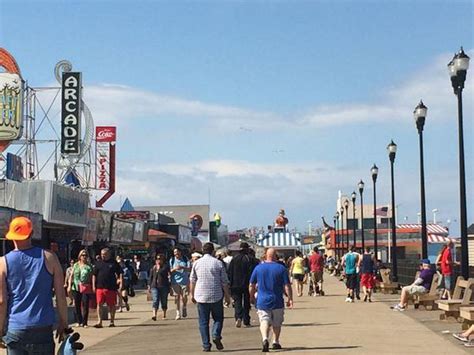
(211, 280)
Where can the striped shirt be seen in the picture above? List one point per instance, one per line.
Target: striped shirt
(209, 276)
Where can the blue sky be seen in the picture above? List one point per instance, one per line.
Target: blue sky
(268, 104)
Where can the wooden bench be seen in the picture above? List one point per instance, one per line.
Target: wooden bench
(387, 285)
(462, 296)
(467, 314)
(428, 299)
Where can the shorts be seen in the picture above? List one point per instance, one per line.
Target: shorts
(351, 281)
(298, 277)
(415, 290)
(447, 281)
(104, 295)
(30, 341)
(367, 280)
(274, 317)
(317, 276)
(180, 289)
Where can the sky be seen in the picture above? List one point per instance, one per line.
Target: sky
(261, 105)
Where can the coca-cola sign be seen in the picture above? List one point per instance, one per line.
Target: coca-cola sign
(106, 134)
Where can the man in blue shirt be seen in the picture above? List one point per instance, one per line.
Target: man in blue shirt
(350, 262)
(272, 282)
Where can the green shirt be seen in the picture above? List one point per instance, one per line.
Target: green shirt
(81, 274)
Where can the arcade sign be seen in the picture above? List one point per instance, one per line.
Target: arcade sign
(71, 113)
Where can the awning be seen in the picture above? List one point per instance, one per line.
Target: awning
(430, 228)
(279, 240)
(436, 238)
(155, 235)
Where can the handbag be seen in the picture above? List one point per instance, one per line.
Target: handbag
(85, 288)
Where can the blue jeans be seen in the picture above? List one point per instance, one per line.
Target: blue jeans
(37, 341)
(205, 310)
(160, 295)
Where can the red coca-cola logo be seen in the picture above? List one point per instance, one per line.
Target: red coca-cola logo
(105, 134)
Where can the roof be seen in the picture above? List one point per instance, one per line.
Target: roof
(470, 229)
(279, 240)
(181, 213)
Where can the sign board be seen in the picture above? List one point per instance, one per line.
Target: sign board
(71, 113)
(184, 235)
(105, 136)
(11, 100)
(138, 231)
(122, 231)
(140, 215)
(14, 167)
(104, 225)
(57, 203)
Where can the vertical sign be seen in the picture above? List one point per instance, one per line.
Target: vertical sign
(104, 137)
(71, 113)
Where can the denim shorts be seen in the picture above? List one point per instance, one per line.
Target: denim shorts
(37, 341)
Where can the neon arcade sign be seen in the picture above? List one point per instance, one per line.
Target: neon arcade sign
(71, 113)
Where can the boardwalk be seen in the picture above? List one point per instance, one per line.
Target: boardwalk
(323, 325)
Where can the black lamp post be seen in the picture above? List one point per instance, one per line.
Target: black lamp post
(353, 196)
(458, 67)
(375, 171)
(392, 151)
(341, 214)
(336, 218)
(420, 116)
(361, 191)
(346, 206)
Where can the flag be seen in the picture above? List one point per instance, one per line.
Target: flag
(383, 211)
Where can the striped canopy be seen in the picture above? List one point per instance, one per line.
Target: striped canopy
(279, 240)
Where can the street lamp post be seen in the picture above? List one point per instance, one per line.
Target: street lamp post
(346, 206)
(361, 191)
(341, 213)
(420, 116)
(375, 171)
(392, 151)
(353, 196)
(458, 67)
(337, 236)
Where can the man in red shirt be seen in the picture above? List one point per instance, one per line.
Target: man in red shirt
(316, 264)
(446, 265)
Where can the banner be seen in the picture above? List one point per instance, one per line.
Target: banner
(71, 113)
(105, 137)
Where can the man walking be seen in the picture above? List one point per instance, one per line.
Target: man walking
(107, 278)
(180, 268)
(240, 269)
(28, 276)
(349, 263)
(271, 281)
(209, 285)
(316, 265)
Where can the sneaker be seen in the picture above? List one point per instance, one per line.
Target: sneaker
(185, 312)
(248, 325)
(206, 350)
(397, 307)
(178, 316)
(265, 346)
(348, 299)
(351, 300)
(276, 346)
(238, 323)
(219, 345)
(153, 318)
(365, 298)
(461, 337)
(469, 344)
(127, 307)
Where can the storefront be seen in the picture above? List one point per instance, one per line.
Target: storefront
(64, 211)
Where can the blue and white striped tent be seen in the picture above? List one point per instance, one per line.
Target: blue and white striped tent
(283, 240)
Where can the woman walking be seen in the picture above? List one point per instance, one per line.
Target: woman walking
(124, 290)
(80, 285)
(367, 271)
(159, 285)
(297, 270)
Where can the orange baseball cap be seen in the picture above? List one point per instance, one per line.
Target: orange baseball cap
(20, 229)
